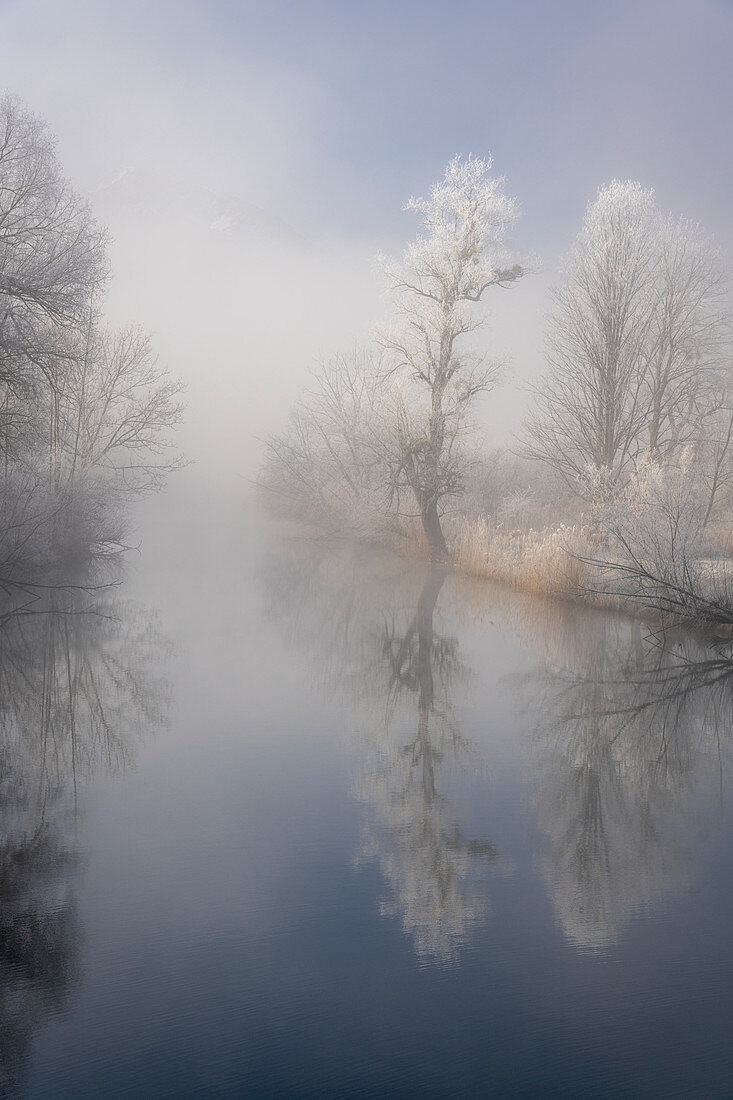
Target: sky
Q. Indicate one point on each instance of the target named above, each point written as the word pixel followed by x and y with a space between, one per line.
pixel 329 115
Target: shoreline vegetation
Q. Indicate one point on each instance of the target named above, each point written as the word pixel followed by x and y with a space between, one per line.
pixel 547 565
pixel 565 563
pixel 618 490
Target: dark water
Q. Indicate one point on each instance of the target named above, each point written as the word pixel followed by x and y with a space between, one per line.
pixel 283 821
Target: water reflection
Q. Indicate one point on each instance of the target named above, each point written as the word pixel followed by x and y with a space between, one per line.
pixel 633 733
pixel 78 691
pixel 376 640
pixel 429 864
pixel 628 760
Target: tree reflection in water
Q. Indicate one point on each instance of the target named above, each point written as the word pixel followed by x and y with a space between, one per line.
pixel 631 747
pixel 379 646
pixel 429 865
pixel 633 736
pixel 76 694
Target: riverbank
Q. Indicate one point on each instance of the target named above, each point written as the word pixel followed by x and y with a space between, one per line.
pixel 566 563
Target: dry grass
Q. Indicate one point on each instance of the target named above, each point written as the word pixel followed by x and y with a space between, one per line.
pixel 566 562
pixel 537 561
pixel 561 562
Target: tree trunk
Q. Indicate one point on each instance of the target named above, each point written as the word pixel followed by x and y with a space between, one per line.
pixel 437 548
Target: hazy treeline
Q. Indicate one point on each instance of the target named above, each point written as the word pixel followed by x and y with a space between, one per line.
pixel 86 411
pixel 624 459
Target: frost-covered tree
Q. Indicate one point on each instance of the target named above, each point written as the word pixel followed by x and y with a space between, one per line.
pixel 653 546
pixel 686 377
pixel 588 409
pixel 389 423
pixel 436 289
pixel 636 346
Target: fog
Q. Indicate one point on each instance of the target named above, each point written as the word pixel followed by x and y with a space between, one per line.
pixel 316 124
pixel 366 563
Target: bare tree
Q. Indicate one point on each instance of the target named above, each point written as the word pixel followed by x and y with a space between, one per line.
pixel 119 411
pixel 329 464
pixel 84 411
pixel 52 253
pixel 436 289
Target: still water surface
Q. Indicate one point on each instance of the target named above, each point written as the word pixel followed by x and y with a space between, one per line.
pixel 286 820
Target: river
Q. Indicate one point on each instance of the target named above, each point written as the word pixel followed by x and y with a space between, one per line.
pixel 285 819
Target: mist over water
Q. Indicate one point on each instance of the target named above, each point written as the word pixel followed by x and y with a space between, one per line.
pixel 366 718
pixel 312 821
